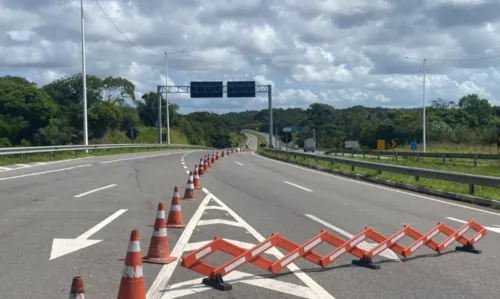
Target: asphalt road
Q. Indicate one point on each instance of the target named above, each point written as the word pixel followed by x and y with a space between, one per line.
pixel 245 198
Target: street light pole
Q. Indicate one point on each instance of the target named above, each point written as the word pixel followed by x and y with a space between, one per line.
pixel 84 80
pixel 424 135
pixel 166 95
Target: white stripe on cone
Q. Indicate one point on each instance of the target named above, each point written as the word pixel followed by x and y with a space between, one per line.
pixel 134 246
pixel 190 186
pixel 175 208
pixel 161 232
pixel 176 194
pixel 128 271
pixel 160 215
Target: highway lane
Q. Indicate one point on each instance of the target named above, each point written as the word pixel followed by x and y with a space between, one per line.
pixel 38 204
pixel 274 197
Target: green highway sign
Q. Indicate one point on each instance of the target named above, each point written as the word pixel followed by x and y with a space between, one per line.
pixel 298 129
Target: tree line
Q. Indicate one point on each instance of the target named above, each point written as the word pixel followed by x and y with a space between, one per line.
pixel 52 115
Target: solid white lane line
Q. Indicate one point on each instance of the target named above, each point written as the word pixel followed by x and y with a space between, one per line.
pixel 298 186
pixel 95 190
pixel 160 283
pixel 5 168
pixel 238 163
pixel 43 172
pixel 493 229
pixel 363 245
pixel 135 158
pixel 381 187
pixel 100 225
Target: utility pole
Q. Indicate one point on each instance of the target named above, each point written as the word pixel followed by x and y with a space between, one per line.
pixel 84 80
pixel 424 135
pixel 166 94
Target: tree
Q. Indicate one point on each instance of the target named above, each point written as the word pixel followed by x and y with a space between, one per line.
pixel 479 108
pixel 117 90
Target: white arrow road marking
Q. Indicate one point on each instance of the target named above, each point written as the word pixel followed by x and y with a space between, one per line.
pixel 238 163
pixel 95 190
pixel 161 289
pixel 62 247
pixel 493 229
pixel 363 245
pixel 298 186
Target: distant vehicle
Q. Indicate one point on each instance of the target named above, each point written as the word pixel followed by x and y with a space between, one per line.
pixel 310 145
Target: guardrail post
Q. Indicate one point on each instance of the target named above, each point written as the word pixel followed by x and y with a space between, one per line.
pixel 378 155
pixel 417 178
pixel 475 160
pixel 471 189
pixel 28 157
pixel 352 168
pixel 444 159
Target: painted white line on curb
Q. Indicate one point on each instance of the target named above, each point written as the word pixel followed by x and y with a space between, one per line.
pixel 298 186
pixel 44 172
pixel 380 187
pixel 95 190
pixel 24 165
pixel 238 163
pixel 363 245
pixel 5 168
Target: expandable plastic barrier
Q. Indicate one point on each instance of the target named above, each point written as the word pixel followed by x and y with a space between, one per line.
pixel 193 261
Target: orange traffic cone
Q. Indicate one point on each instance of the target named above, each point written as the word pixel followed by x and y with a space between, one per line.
pixel 205 165
pixel 200 168
pixel 208 160
pixel 132 283
pixel 223 155
pixel 77 288
pixel 158 252
pixel 175 215
pixel 189 193
pixel 196 179
pixel 217 155
pixel 212 161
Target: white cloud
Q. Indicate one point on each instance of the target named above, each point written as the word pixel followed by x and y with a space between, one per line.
pixel 338 52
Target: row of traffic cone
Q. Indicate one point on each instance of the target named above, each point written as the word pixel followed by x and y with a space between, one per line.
pixel 132 281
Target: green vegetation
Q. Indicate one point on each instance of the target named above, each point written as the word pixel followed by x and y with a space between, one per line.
pixel 471 125
pixel 261 140
pixel 53 115
pixel 480 191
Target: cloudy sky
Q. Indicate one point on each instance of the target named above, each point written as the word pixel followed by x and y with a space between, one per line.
pixel 340 52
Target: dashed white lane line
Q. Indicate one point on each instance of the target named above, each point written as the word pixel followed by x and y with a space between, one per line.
pixel 95 190
pixel 238 163
pixel 44 172
pixel 184 166
pixel 297 186
pixel 380 187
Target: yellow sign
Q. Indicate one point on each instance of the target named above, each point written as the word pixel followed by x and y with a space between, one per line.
pixel 340 143
pixel 393 143
pixel 318 145
pixel 380 144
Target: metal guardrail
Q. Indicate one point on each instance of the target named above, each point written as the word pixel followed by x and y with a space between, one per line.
pixel 469 179
pixel 443 156
pixel 4 151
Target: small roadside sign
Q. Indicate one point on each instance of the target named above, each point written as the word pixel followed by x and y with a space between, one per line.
pixel 352 144
pixel 298 129
pixel 340 143
pixel 413 146
pixel 287 129
pixel 380 144
pixel 393 143
pixel 132 133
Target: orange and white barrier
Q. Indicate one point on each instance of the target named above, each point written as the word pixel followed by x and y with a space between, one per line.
pixel 201 172
pixel 196 178
pixel 205 165
pixel 253 255
pixel 132 282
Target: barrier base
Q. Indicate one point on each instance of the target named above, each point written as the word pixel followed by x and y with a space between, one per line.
pixel 217 283
pixel 366 262
pixel 468 248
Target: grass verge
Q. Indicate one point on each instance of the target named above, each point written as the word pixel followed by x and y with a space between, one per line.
pixel 45 157
pixel 484 167
pixel 431 184
pixel 261 139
